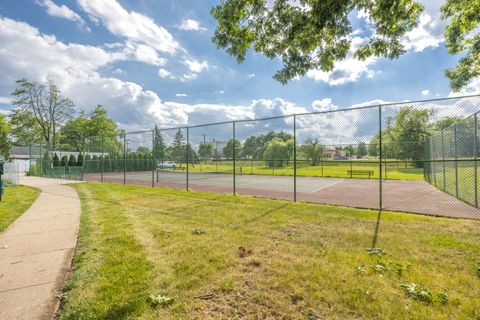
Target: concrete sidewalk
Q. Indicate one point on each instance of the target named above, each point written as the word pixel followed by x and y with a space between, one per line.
pixel 36 251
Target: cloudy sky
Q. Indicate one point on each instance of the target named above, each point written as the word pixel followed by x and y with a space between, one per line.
pixel 152 61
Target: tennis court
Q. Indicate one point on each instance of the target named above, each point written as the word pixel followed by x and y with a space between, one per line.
pixel 398 195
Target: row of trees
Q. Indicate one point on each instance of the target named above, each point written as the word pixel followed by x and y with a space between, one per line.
pixel 42 115
pixel 133 161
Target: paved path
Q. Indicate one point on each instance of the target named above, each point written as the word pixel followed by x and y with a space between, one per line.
pixel 36 252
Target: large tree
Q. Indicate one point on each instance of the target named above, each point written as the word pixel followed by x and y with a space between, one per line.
pixel 5 142
pixel 404 137
pixel 462 36
pixel 159 146
pixel 205 150
pixel 228 149
pixel 278 153
pixel 362 149
pixel 311 34
pixel 312 150
pixel 90 131
pixel 25 128
pixel 44 103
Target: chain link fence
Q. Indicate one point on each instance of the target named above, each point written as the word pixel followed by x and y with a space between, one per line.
pixel 416 157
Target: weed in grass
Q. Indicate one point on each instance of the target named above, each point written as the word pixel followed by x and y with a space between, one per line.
pixel 417 292
pixel 379 252
pixel 443 297
pixel 227 285
pixel 380 267
pixel 197 231
pixel 159 300
pixel 360 269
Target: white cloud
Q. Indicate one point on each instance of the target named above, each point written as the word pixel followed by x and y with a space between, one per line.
pixel 196 66
pixel 251 75
pixel 181 95
pixel 62 12
pixel 136 27
pixel 323 105
pixel 5 100
pixel 428 33
pixel 144 53
pixel 425 92
pixel 347 70
pixel 164 73
pixel 119 72
pixel 74 67
pixel 190 25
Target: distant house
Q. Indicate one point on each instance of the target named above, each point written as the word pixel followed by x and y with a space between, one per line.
pixel 218 146
pixel 331 153
pixel 20 157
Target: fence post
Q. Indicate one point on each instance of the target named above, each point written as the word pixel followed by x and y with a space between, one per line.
pixel 433 162
pixel 234 156
pixel 456 162
pixel 103 156
pixel 475 168
pixel 381 157
pixel 385 162
pixel 188 152
pixel 294 158
pixel 124 158
pixel 351 169
pixel 154 162
pixel 443 160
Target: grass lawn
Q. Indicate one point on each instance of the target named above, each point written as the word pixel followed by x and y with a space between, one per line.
pixel 230 257
pixel 15 202
pixel 334 169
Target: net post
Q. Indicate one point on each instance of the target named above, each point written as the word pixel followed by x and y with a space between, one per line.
pixel 456 159
pixel 101 174
pixel 234 160
pixel 475 166
pixel 187 153
pixel 381 157
pixel 294 158
pixel 154 162
pixel 443 161
pixel 124 158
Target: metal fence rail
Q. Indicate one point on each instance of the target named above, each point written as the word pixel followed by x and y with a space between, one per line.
pixel 382 157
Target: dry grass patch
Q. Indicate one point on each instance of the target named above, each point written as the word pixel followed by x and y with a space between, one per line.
pixel 161 254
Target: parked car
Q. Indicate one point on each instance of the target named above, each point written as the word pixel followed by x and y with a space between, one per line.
pixel 166 164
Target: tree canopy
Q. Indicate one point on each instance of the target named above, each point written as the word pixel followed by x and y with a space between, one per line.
pixel 311 34
pixel 462 36
pixel 44 103
pixel 94 126
pixel 5 142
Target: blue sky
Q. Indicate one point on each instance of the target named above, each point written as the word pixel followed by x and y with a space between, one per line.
pixel 152 61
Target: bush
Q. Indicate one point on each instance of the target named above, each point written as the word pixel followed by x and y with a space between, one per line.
pixel 72 162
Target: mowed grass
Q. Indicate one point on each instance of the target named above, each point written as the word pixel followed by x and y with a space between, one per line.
pixel 15 202
pixel 232 257
pixel 334 169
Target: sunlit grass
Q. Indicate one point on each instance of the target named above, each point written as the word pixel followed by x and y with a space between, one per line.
pixel 15 201
pixel 333 169
pixel 256 259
